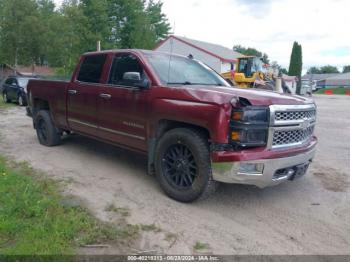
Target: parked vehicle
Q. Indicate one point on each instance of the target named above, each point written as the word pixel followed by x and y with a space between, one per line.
pixel 15 89
pixel 195 128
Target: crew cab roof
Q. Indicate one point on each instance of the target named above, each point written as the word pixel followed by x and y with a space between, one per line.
pixel 140 51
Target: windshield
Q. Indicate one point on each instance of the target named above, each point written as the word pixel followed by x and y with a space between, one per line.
pixel 177 70
pixel 250 65
pixel 23 82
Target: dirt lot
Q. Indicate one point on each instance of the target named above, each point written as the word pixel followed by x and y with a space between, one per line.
pixel 307 216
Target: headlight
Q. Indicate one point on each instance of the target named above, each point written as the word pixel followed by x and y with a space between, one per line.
pixel 250 114
pixel 249 126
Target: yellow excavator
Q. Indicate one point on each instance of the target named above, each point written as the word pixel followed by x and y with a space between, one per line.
pixel 250 73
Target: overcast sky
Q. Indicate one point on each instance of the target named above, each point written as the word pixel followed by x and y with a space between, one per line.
pixel 320 26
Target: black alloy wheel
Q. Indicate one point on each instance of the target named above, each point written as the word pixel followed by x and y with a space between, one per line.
pixel 183 166
pixel 179 166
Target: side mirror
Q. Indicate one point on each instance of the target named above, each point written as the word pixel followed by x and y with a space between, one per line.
pixel 134 79
pixel 132 76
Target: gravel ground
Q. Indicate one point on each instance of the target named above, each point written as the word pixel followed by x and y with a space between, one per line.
pixel 306 216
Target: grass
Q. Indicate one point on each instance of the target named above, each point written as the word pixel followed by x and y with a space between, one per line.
pixel 151 227
pixel 33 219
pixel 200 246
pixel 4 105
pixel 124 212
pixel 336 91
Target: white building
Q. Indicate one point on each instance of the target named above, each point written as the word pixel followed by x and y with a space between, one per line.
pixel 220 58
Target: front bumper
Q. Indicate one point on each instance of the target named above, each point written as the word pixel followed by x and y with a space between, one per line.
pixel 269 172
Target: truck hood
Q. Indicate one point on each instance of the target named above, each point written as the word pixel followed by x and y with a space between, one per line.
pixel 257 97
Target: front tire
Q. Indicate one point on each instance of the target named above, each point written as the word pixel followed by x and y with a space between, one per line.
pixel 46 131
pixel 183 166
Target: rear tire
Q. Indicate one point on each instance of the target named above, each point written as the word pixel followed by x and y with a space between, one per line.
pixel 47 133
pixel 183 166
pixel 5 98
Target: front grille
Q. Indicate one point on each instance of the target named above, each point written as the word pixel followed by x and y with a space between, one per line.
pixel 291 125
pixel 294 115
pixel 289 137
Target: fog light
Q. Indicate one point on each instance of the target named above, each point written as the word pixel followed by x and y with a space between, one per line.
pixel 251 168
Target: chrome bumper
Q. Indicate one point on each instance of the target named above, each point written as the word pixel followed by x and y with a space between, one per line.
pixel 264 173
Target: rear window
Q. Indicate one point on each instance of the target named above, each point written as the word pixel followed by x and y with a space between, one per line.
pixel 91 68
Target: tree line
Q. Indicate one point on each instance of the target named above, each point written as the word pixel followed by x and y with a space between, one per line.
pixel 327 69
pixel 38 32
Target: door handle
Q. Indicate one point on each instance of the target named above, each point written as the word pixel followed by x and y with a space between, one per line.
pixel 72 92
pixel 105 96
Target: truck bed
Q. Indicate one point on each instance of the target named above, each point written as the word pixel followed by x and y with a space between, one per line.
pixel 53 91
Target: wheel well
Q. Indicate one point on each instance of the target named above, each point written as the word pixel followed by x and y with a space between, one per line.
pixel 164 126
pixel 39 104
pixel 167 125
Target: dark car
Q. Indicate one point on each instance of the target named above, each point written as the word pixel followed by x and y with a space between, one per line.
pixel 15 89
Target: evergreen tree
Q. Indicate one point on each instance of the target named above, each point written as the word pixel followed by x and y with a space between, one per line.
pixel 296 64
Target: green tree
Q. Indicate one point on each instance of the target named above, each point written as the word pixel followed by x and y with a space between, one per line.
pixel 46 9
pixel 98 24
pixel 296 64
pixel 131 25
pixel 346 69
pixel 19 32
pixel 34 31
pixel 158 20
pixel 327 69
pixel 284 71
pixel 314 70
pixel 67 29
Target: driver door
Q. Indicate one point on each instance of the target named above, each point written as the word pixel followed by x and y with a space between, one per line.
pixel 123 104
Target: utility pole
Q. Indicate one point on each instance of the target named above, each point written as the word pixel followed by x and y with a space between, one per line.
pixel 98 46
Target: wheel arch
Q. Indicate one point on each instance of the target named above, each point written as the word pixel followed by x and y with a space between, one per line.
pixel 162 127
pixel 38 104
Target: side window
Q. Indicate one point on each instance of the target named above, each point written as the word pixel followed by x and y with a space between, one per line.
pixel 91 68
pixel 9 81
pixel 126 63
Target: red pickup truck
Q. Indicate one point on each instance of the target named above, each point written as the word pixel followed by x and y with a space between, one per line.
pixel 195 128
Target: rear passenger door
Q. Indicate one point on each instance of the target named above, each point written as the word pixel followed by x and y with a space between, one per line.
pixel 83 95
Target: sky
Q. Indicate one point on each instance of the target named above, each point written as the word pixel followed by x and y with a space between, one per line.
pixel 271 26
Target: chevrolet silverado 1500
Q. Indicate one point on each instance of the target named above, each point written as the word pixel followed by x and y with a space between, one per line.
pixel 196 129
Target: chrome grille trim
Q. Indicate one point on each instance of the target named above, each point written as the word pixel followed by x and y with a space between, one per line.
pixel 294 115
pixel 295 137
pixel 291 125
